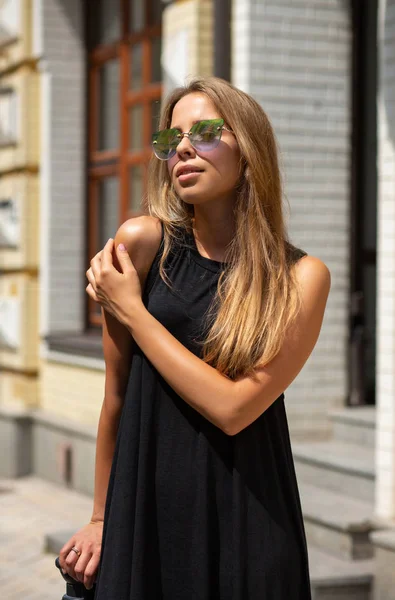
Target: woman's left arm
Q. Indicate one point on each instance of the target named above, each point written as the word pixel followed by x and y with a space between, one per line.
pixel 230 405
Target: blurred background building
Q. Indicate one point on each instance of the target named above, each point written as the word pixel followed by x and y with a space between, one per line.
pixel 81 84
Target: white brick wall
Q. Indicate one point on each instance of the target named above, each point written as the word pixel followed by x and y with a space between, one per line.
pixel 294 57
pixel 385 375
pixel 63 163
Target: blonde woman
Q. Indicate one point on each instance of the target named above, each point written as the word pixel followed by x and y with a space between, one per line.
pixel 209 314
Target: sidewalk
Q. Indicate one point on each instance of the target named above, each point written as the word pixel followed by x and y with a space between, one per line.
pixel 30 508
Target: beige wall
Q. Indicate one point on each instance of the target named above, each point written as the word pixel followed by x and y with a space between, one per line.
pixel 19 164
pixel 75 393
pixel 187 41
pixel 18 389
pixel 21 49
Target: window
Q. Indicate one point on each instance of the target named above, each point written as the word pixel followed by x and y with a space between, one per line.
pixel 9 223
pixel 124 41
pixel 8 117
pixel 9 20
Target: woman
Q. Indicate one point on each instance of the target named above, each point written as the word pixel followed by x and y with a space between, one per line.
pixel 209 316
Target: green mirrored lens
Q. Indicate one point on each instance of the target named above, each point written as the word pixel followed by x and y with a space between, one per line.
pixel 165 142
pixel 206 134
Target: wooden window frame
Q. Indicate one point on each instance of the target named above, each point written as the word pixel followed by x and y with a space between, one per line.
pixel 118 161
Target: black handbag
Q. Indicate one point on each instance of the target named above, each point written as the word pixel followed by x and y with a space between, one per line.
pixel 74 589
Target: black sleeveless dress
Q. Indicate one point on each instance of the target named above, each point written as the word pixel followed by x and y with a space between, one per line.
pixel 191 513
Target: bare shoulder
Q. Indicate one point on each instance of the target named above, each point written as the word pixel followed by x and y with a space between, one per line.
pixel 141 236
pixel 143 231
pixel 314 278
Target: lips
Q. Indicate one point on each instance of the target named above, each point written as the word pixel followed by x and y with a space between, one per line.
pixel 186 170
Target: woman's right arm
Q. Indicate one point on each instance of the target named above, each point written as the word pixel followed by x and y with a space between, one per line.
pixel 141 237
pixel 117 346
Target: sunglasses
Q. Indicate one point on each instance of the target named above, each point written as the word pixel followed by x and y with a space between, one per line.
pixel 203 135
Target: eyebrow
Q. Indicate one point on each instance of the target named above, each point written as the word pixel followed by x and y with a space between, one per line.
pixel 193 123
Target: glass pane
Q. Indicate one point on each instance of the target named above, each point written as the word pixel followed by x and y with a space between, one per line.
pixel 136 15
pixel 136 189
pixel 136 70
pixel 109 106
pixel 108 209
pixel 156 68
pixel 108 25
pixel 155 114
pixel 136 127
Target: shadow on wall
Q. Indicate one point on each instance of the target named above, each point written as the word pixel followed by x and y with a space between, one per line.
pixel 388 68
pixel 71 10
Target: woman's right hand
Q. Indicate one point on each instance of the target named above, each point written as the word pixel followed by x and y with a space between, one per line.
pixel 83 567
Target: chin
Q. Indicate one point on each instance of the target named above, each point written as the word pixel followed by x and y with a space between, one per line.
pixel 192 196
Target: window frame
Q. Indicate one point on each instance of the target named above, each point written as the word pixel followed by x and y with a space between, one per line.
pixel 118 161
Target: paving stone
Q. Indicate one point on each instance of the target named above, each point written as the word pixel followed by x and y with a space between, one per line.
pixel 30 508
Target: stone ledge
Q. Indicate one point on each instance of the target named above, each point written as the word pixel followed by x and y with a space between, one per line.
pixel 63 425
pixel 337 511
pixel 88 344
pixel 328 570
pixel 362 415
pixel 57 449
pixel 30 416
pixel 337 455
pixel 15 413
pixel 15 441
pixel 384 539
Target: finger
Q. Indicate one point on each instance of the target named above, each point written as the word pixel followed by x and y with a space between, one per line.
pixel 91 278
pixel 71 561
pixel 124 258
pixel 89 289
pixel 107 263
pixel 64 552
pixel 96 264
pixel 91 570
pixel 81 565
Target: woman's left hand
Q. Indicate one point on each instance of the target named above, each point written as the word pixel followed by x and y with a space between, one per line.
pixel 119 293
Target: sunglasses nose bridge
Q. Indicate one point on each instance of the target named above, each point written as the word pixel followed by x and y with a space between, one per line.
pixel 180 146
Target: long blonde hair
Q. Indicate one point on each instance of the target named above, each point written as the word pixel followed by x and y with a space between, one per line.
pixel 257 297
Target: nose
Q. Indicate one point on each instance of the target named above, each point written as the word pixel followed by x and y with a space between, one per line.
pixel 185 147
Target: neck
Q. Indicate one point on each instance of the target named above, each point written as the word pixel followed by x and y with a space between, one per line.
pixel 213 229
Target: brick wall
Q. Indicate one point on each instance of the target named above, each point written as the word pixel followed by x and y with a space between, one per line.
pixel 385 445
pixel 63 164
pixel 294 57
pixel 71 392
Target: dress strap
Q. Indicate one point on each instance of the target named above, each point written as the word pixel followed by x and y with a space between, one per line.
pixel 295 253
pixel 153 272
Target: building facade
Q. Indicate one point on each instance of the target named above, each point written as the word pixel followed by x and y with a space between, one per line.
pixel 80 91
pixel 19 222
